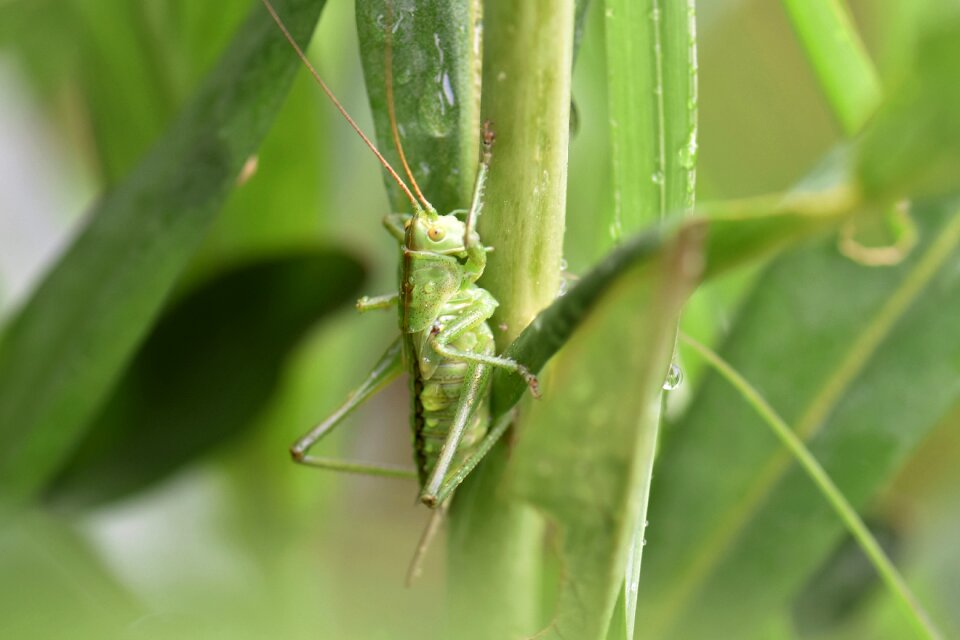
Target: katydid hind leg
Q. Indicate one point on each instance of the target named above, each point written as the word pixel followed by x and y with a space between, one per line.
pixel 475 383
pixel 458 475
pixel 426 539
pixel 387 369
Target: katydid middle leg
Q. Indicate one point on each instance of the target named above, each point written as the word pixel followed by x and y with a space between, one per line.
pixel 479 311
pixel 385 371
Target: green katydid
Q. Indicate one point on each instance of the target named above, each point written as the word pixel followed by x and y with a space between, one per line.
pixel 446 345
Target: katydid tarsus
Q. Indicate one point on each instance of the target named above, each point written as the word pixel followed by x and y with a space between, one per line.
pixel 446 345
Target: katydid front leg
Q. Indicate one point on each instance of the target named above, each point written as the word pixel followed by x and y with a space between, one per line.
pixel 375 303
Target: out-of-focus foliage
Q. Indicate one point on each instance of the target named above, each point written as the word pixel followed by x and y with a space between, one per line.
pixel 218 534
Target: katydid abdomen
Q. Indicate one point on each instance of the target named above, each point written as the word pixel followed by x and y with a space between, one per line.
pixel 437 384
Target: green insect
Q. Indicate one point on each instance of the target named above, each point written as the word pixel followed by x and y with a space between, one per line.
pixel 446 345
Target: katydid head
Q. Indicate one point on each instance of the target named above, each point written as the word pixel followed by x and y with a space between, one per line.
pixel 440 234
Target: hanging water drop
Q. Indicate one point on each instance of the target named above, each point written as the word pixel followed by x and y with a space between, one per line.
pixel 674 377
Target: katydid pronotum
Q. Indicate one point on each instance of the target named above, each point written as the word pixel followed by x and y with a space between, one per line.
pixel 446 345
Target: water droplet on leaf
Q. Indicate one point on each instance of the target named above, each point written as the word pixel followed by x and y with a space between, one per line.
pixel 674 378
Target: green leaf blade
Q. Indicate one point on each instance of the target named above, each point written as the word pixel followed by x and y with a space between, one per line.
pixel 73 337
pixel 205 372
pixel 652 89
pixel 913 146
pixel 732 547
pixel 435 50
pixel 839 59
pixel 585 456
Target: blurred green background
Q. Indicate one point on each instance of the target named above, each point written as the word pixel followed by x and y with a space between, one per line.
pixel 224 537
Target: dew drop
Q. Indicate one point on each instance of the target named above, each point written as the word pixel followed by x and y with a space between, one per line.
pixel 448 90
pixel 674 378
pixel 657 177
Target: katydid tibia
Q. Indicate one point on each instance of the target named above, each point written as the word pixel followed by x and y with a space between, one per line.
pixel 445 345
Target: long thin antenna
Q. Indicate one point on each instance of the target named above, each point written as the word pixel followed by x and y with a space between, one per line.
pixel 336 103
pixel 391 108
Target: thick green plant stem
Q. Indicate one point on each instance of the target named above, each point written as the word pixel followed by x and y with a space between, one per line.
pixel 528 48
pixel 845 511
pixel 843 68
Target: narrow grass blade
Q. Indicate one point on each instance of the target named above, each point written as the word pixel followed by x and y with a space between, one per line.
pixel 652 90
pixel 845 512
pixel 839 59
pixel 60 356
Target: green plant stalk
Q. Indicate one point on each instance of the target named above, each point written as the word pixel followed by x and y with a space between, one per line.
pixel 495 545
pixel 839 59
pixel 845 511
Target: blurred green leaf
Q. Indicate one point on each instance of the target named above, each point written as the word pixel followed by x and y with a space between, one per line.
pixel 862 362
pixel 839 59
pixel 151 52
pixel 913 146
pixel 841 584
pixel 435 49
pixel 585 454
pixel 206 371
pixel 55 586
pixel 62 353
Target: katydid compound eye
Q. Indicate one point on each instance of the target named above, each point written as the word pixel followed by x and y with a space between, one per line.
pixel 436 234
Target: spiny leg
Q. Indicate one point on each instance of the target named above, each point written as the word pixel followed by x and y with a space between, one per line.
pixel 460 473
pixel 479 311
pixel 474 248
pixel 426 538
pixel 471 394
pixel 386 370
pixel 396 224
